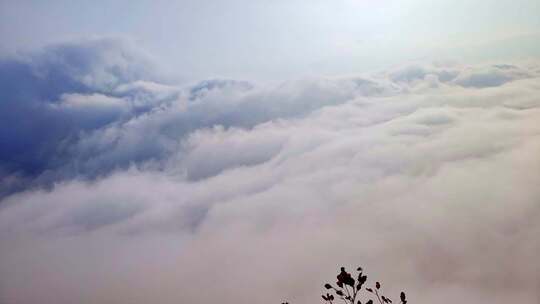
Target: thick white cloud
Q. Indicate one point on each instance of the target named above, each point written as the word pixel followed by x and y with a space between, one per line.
pixel 235 192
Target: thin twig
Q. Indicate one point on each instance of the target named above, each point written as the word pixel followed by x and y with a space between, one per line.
pixel 377 293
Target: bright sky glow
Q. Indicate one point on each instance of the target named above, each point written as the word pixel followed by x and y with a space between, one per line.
pixel 284 39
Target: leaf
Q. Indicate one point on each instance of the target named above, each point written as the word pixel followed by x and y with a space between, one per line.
pixel 402 298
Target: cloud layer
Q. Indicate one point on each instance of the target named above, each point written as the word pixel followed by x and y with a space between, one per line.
pixel 120 188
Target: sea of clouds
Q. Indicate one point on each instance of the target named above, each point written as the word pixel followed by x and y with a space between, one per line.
pixel 119 187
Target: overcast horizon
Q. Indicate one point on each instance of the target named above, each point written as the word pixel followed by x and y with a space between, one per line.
pixel 242 151
pixel 282 40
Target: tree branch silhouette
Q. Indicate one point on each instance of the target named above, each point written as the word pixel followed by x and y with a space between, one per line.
pixel 348 290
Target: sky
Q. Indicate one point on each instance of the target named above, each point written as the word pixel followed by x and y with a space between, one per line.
pixel 243 151
pixel 277 40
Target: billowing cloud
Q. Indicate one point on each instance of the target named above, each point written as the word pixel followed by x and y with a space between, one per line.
pixel 49 97
pixel 234 191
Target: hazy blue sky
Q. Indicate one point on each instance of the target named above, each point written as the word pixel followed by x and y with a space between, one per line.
pixel 284 38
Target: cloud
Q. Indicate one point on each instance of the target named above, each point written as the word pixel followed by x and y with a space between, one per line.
pixel 94 107
pixel 51 96
pixel 234 191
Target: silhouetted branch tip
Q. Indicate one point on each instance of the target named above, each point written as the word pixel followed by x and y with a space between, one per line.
pixel 348 290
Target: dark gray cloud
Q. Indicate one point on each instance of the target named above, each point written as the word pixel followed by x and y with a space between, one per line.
pixel 49 97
